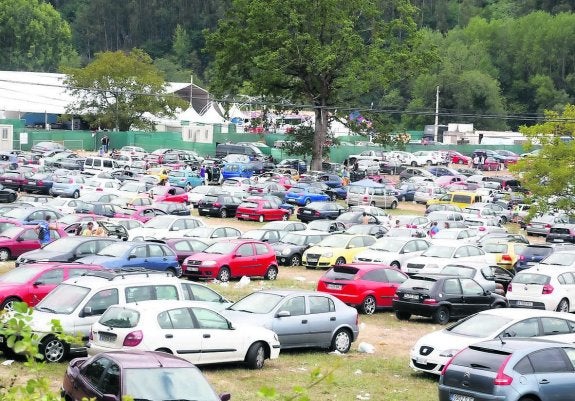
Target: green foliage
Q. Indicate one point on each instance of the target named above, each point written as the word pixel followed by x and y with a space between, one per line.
pixel 121 90
pixel 34 36
pixel 298 392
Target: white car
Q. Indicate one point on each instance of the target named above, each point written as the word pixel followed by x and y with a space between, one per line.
pixel 392 251
pixel 426 158
pixel 444 253
pixel 432 351
pixel 101 184
pixel 237 184
pixel 162 227
pixel 195 333
pixel 65 205
pixel 426 192
pixel 197 193
pixel 133 151
pixel 218 233
pixel 544 287
pixel 456 234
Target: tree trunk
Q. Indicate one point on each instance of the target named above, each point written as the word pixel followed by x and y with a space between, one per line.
pixel 319 138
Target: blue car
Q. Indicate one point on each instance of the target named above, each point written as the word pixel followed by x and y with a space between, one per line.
pixel 184 179
pixel 303 196
pixel 234 170
pixel 138 254
pixel 67 187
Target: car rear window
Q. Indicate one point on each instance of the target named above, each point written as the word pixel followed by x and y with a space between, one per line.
pixel 210 199
pixel 341 273
pixel 536 251
pixel 558 230
pixel 249 205
pixel 480 358
pixel 120 318
pixel 531 278
pixel 419 284
pixel 461 199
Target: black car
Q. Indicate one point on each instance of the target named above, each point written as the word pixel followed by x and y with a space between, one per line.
pixel 334 192
pixel 561 233
pixel 265 235
pixel 102 209
pixel 375 230
pixel 293 244
pixel 319 210
pixel 330 226
pixel 40 183
pixel 223 205
pixel 173 208
pixel 66 249
pixel 443 298
pixel 7 195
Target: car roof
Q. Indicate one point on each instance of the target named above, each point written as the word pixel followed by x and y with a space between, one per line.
pixel 522 313
pixel 146 359
pixel 511 345
pixel 158 305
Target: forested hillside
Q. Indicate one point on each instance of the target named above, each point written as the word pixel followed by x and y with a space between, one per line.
pixel 500 61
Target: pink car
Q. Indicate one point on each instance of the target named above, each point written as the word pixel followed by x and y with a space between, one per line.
pixel 261 210
pixel 448 180
pixel 14 241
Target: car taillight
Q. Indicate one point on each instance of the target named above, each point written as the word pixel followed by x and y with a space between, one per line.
pixel 509 287
pixel 506 257
pixel 39 182
pixel 70 181
pixel 133 339
pixel 547 289
pixel 521 257
pixel 316 213
pixel 502 379
pixel 365 198
pixel 99 189
pixel 217 204
pixel 547 226
pixel 430 301
pixel 395 296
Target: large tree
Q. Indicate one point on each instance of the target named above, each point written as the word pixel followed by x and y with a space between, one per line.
pixel 321 54
pixel 34 36
pixel 120 90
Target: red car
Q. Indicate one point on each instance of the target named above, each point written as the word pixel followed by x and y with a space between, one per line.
pixel 168 193
pixel 236 258
pixel 14 179
pixel 14 241
pixel 261 210
pixel 490 164
pixel 367 286
pixel 30 283
pixel 458 158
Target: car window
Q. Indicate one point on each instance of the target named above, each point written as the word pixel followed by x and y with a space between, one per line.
pixel 295 306
pixel 551 360
pixel 182 246
pixel 524 366
pixel 139 252
pixel 356 242
pixel 552 325
pixel 179 224
pixel 55 276
pixel 77 272
pixel 395 276
pixel 470 287
pixel 245 250
pixel 195 292
pixel 176 319
pixel 87 248
pixel 566 278
pixel 461 252
pixel 155 251
pixel 261 249
pixel 524 328
pixel 28 235
pixel 111 380
pixel 376 275
pixel 210 320
pixel 191 223
pixel 94 371
pixel 101 301
pixel 409 247
pixel 452 286
pixel 319 304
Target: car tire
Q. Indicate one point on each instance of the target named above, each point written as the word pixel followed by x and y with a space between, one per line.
pixel 368 305
pixel 172 271
pixel 12 198
pixel 295 260
pixel 8 303
pixel 307 201
pixel 4 254
pixel 256 356
pixel 402 315
pixel 413 164
pixel 563 305
pixel 372 204
pixel 261 218
pixel 393 205
pixel 202 213
pixel 52 349
pixel 224 275
pixel 341 341
pixel 441 315
pixel 340 261
pixel 188 187
pixel 395 264
pixel 76 194
pixel 271 273
pixel 332 197
pixel 503 220
pixel 285 217
pixel 223 213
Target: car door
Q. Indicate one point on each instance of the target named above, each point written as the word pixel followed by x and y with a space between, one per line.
pixel 243 262
pixel 137 257
pixel 474 297
pixel 219 342
pixel 156 258
pixel 292 328
pixel 26 241
pixel 322 318
pixel 42 285
pixel 451 293
pixel 377 283
pixel 553 370
pixel 179 332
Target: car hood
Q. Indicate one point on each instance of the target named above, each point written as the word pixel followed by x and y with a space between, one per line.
pixel 323 249
pixel 445 340
pixel 41 254
pixel 376 255
pixel 246 318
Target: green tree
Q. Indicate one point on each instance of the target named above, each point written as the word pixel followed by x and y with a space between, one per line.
pixel 34 36
pixel 120 90
pixel 322 54
pixel 549 176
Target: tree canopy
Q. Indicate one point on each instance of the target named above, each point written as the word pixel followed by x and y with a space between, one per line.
pixel 121 90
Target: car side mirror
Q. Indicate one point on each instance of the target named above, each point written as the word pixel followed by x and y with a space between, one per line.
pixel 37 283
pixel 510 333
pixel 350 246
pixel 283 313
pixel 19 239
pixel 87 311
pixel 175 229
pixel 131 257
pixel 486 292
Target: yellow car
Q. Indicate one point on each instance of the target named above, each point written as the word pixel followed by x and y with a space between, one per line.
pixel 506 253
pixel 161 173
pixel 458 198
pixel 335 250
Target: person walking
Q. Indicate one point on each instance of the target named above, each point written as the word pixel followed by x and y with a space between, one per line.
pixel 43 230
pixel 203 174
pixel 434 229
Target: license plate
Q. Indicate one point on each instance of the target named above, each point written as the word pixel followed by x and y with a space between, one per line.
pixel 32 182
pixel 333 287
pixel 245 216
pixel 410 296
pixel 459 397
pixel 205 210
pixel 106 337
pixel 192 269
pixel 307 211
pixel 312 260
pixel 524 303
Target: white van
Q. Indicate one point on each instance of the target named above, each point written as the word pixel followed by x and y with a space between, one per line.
pixel 358 195
pixel 79 302
pixel 95 165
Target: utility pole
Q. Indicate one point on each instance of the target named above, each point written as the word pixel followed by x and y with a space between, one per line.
pixel 436 126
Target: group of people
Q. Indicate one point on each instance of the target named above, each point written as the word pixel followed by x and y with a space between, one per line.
pixel 44 228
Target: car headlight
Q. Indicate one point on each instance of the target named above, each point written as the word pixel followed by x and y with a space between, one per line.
pixel 286 251
pixel 328 254
pixel 208 263
pixel 432 266
pixel 448 353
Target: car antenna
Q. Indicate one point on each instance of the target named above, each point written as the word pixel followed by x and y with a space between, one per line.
pixel 500 337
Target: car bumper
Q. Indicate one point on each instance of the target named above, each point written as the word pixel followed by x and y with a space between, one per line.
pixel 59 192
pixel 449 394
pixel 432 363
pixel 519 303
pixel 198 272
pixel 415 308
pixel 321 262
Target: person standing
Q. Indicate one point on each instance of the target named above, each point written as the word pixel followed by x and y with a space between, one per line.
pixel 434 229
pixel 475 161
pixel 43 230
pixel 203 174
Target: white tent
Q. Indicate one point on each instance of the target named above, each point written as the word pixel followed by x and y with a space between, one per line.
pixel 191 115
pixel 212 115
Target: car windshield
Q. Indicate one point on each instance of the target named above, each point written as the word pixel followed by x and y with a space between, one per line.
pixel 253 234
pixel 480 325
pixel 294 239
pixel 297 190
pixel 120 317
pixel 61 245
pixel 18 276
pixel 115 250
pixel 531 278
pixel 335 241
pixel 556 259
pixel 161 383
pixel 18 214
pixel 63 299
pixel 68 219
pixel 130 187
pixel 418 284
pixel 249 205
pixel 220 248
pixel 5 225
pixel 321 225
pixel 177 174
pixel 462 271
pixel 159 223
pixel 348 217
pixel 257 302
pixel 439 251
pixel 388 245
pixel 495 248
pixel 12 232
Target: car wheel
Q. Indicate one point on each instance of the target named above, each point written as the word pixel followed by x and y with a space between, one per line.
pixel 563 305
pixel 172 271
pixel 203 214
pixel 285 217
pixel 12 198
pixel 223 213
pixel 4 254
pixel 341 341
pixel 188 187
pixel 393 204
pixel 76 194
pixel 52 349
pixel 368 305
pixel 224 275
pixel 372 204
pixel 340 261
pixel 395 264
pixel 295 260
pixel 413 164
pixel 272 273
pixel 441 315
pixel 8 303
pixel 256 356
pixel 261 219
pixel 402 315
pixel 307 201
pixel 332 197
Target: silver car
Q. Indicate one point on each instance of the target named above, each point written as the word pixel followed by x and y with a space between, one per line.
pixel 299 318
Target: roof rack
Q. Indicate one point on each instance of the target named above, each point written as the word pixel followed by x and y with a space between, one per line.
pixel 112 274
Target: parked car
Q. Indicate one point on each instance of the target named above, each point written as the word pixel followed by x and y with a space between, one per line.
pixel 260 210
pixel 167 226
pixel 184 247
pixel 223 205
pixel 349 219
pixel 186 179
pixel 15 241
pixel 213 234
pixel 375 230
pixel 443 298
pixel 532 254
pixel 336 249
pixel 366 286
pixel 541 225
pixel 392 251
pixel 291 246
pixel 441 254
pixel 329 322
pixel 511 370
pixel 561 233
pixel 70 186
pixel 137 374
pixel 330 226
pixel 319 210
pixel 303 196
pixel 235 258
pixel 270 236
pixel 169 193
pixel 171 325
